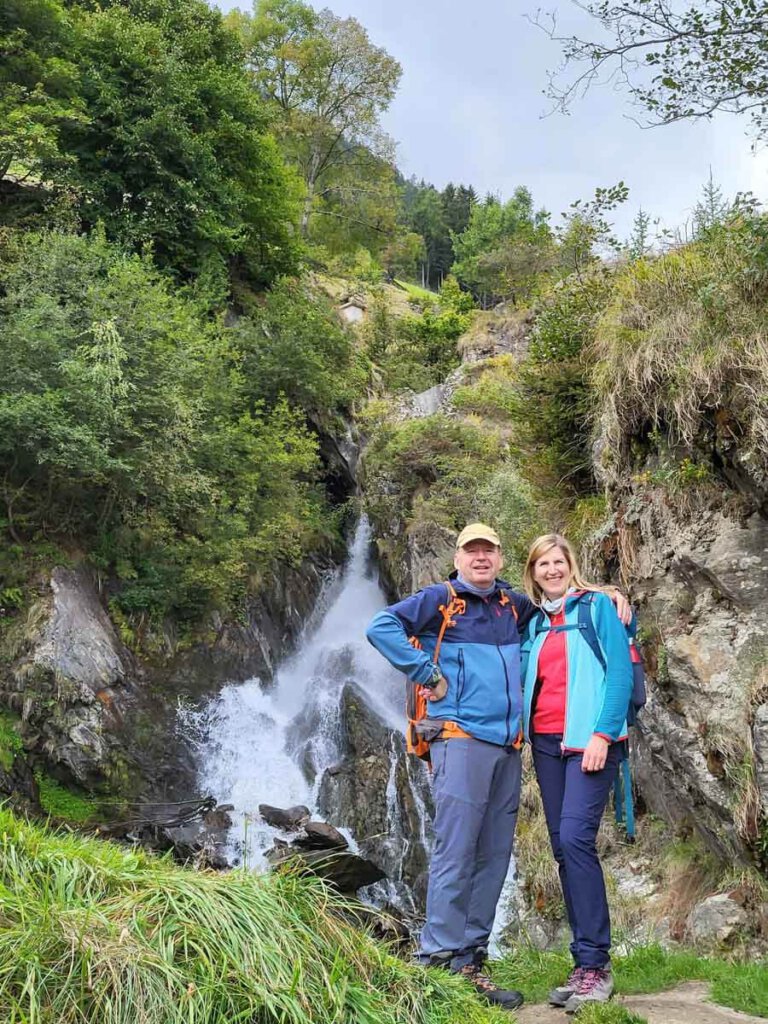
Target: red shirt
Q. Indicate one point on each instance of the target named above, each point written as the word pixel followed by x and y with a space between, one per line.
pixel 552 680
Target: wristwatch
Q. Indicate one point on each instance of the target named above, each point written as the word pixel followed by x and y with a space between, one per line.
pixel 434 679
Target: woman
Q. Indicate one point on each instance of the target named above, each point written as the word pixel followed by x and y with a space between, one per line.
pixel 577 682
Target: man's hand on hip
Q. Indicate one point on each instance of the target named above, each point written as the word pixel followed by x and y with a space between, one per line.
pixel 436 692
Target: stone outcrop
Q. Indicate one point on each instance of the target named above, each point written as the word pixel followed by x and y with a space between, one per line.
pixel 381 794
pixel 73 681
pixel 699 583
pixel 717 921
pixel 95 714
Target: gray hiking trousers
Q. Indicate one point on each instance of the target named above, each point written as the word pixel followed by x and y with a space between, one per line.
pixel 476 788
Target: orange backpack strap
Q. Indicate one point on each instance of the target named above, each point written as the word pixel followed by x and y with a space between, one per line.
pixel 506 599
pixel 454 606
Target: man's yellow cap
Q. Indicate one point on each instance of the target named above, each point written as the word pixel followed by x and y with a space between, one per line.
pixel 477 531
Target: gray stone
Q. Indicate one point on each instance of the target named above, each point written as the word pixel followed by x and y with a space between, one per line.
pixel 290 819
pixel 698 584
pixel 346 871
pixel 760 742
pixel 382 795
pixel 319 835
pixel 717 920
pixel 74 680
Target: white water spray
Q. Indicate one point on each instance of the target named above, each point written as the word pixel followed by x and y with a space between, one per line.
pixel 245 732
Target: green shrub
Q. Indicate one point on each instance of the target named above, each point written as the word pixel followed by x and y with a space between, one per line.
pixel 420 351
pixel 429 468
pixel 159 439
pixel 495 393
pixel 508 501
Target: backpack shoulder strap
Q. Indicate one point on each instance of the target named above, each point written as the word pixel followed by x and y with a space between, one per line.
pixel 587 626
pixel 454 605
pixel 507 599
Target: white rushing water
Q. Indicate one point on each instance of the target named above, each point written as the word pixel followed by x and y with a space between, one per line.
pixel 245 731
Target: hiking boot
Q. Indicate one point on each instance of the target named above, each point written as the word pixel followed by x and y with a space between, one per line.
pixel 560 996
pixel 506 998
pixel 594 986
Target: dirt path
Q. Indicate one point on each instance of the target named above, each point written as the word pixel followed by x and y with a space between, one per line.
pixel 686 1004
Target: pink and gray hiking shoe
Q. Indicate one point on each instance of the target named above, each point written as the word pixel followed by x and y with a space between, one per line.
pixel 594 986
pixel 560 996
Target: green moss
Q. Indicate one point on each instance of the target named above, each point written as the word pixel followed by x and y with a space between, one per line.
pixel 10 741
pixel 63 803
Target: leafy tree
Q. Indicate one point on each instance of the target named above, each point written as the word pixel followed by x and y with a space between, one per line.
pixel 38 85
pixel 404 254
pixel 504 249
pixel 129 420
pixel 293 346
pixel 677 61
pixel 586 234
pixel 330 85
pixel 146 113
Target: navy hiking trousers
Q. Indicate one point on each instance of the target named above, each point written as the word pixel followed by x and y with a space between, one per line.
pixel 574 802
pixel 476 788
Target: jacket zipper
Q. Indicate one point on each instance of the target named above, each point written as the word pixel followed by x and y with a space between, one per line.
pixel 462 679
pixel 509 698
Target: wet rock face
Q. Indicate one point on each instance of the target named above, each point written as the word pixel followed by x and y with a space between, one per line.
pixel 377 791
pixel 422 555
pixel 276 617
pixel 701 746
pixel 74 681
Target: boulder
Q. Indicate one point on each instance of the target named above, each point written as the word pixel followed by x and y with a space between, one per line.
pixel 346 871
pixel 716 921
pixel 73 682
pixel 318 835
pixel 289 819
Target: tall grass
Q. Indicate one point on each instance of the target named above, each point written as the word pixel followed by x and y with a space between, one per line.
pixel 685 338
pixel 93 934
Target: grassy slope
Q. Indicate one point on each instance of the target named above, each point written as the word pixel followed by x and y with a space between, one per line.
pixel 94 933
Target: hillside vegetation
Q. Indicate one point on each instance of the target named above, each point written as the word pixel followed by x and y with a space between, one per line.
pixel 95 933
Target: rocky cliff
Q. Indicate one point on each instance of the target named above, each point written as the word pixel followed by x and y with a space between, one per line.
pixel 695 558
pixel 96 714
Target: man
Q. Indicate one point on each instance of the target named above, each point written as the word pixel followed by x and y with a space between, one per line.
pixel 475 727
pixel 475 709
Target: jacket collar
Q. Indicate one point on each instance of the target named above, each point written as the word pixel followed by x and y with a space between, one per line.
pixel 461 589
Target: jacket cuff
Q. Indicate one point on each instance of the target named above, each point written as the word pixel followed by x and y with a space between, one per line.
pixel 604 736
pixel 424 673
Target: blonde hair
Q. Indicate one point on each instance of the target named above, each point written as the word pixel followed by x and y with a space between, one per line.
pixel 537 550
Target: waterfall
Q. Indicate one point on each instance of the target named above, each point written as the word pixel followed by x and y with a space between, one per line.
pixel 273 745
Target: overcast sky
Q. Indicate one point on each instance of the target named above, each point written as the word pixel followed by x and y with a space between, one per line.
pixel 470 108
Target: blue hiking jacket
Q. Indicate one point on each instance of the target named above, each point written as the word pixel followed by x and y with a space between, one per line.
pixel 597 700
pixel 479 656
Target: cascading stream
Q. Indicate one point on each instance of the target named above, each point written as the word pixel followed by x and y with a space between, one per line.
pixel 245 733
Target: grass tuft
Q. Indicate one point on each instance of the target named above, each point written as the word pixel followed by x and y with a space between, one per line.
pixel 94 934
